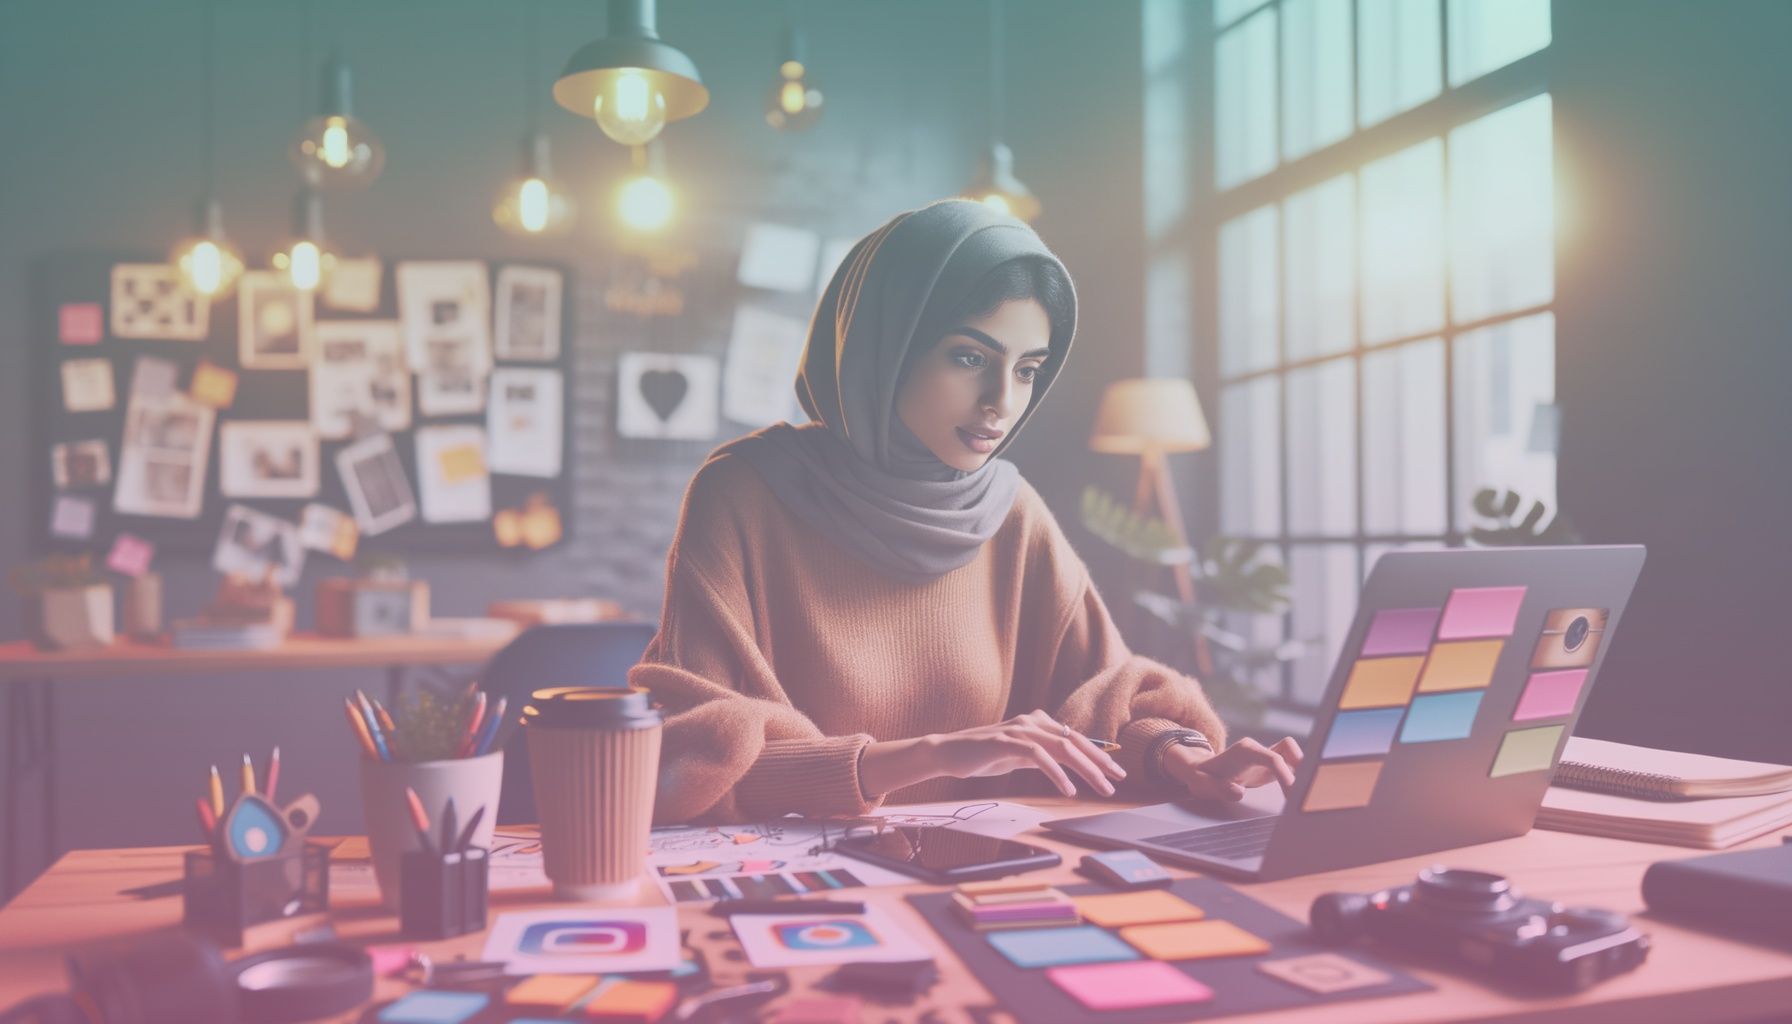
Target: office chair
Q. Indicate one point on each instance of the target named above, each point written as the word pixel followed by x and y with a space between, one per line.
pixel 569 654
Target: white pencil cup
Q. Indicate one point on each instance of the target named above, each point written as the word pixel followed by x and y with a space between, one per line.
pixel 473 782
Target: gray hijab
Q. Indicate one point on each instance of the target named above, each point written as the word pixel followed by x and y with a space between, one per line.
pixel 856 473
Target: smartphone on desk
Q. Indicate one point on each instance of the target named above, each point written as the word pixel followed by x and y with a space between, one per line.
pixel 947 856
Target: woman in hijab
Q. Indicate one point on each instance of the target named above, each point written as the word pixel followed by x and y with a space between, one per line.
pixel 873 605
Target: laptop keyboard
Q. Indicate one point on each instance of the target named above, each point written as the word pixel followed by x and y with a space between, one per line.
pixel 1235 840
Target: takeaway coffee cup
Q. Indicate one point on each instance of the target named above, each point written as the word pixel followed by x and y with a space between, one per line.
pixel 594 755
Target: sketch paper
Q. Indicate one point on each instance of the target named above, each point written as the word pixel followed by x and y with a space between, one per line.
pixel 759 372
pixel 525 420
pixel 267 459
pixel 87 385
pixel 149 300
pixel 360 381
pixel 378 490
pixel 452 476
pixel 257 546
pixel 528 314
pixel 274 323
pixel 353 286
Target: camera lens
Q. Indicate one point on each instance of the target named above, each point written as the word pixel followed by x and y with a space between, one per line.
pixel 1576 633
pixel 1337 917
pixel 1456 891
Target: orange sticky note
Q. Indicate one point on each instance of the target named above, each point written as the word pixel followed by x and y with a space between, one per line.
pixel 461 463
pixel 551 991
pixel 1339 787
pixel 1193 940
pixel 1381 682
pixel 213 385
pixel 1460 665
pixel 1147 906
pixel 640 1002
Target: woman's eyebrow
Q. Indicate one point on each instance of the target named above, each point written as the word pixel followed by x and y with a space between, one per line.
pixel 986 340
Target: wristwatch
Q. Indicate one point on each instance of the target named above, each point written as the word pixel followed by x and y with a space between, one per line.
pixel 1154 754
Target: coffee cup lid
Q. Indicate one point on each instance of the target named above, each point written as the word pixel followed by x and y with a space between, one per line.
pixel 591 707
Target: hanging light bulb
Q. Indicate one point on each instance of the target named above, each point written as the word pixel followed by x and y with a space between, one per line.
pixel 645 201
pixel 306 261
pixel 335 149
pixel 630 81
pixel 530 205
pixel 995 185
pixel 208 263
pixel 997 188
pixel 793 104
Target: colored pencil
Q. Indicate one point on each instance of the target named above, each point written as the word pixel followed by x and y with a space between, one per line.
pixel 474 719
pixel 450 826
pixel 359 725
pixel 208 822
pixel 489 731
pixel 217 794
pixel 390 727
pixel 373 726
pixel 419 819
pixel 273 773
pixel 248 776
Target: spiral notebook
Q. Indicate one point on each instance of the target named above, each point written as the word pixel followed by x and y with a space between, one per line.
pixel 1661 796
pixel 1606 767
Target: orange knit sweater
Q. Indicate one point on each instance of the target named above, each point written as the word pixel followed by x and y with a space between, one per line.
pixel 780 657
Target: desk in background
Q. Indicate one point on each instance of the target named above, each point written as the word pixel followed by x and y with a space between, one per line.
pixel 1689 975
pixel 30 674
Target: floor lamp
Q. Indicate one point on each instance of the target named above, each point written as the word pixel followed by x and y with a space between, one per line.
pixel 1152 417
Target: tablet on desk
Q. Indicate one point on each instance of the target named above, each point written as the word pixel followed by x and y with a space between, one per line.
pixel 947 856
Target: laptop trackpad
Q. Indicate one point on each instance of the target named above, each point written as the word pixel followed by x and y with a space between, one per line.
pixel 1264 801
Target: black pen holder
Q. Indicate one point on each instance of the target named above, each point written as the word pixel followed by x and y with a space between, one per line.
pixel 441 895
pixel 223 896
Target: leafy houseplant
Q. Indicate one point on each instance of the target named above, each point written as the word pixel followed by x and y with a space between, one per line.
pixel 68 602
pixel 1231 579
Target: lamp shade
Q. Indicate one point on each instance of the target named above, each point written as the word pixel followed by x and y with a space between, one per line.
pixel 1150 414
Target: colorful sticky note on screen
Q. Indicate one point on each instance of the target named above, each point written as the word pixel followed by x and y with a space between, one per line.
pixel 130 555
pixel 1338 787
pixel 1400 631
pixel 1441 716
pixel 1356 733
pixel 1550 694
pixel 1474 612
pixel 1527 750
pixel 1460 665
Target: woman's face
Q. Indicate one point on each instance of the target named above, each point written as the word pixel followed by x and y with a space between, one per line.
pixel 962 397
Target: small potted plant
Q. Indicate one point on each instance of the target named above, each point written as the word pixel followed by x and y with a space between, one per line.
pixel 68 602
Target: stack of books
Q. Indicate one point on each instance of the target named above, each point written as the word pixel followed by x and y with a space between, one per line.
pixel 1009 903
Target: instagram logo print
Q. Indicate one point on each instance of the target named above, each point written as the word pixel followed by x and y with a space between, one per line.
pixel 836 934
pixel 584 938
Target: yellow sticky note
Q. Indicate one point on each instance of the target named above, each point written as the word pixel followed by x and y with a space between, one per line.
pixel 461 463
pixel 213 385
pixel 1193 940
pixel 1460 665
pixel 632 1001
pixel 552 991
pixel 1527 750
pixel 1147 906
pixel 1381 682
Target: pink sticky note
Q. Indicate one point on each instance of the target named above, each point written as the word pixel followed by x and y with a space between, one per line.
pixel 1128 986
pixel 1550 694
pixel 130 555
pixel 1480 611
pixel 79 323
pixel 1400 631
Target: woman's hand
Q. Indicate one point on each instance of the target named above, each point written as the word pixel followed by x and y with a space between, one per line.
pixel 1244 765
pixel 1032 740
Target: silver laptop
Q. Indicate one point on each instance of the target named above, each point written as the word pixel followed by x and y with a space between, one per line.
pixel 1458 684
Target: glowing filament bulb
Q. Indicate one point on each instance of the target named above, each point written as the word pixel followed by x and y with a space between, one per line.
pixel 532 205
pixel 335 147
pixel 629 109
pixel 305 267
pixel 645 203
pixel 204 267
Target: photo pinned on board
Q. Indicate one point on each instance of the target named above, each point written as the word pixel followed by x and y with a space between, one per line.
pixel 87 385
pixel 78 464
pixel 528 314
pixel 525 421
pixel 257 546
pixel 360 381
pixel 445 311
pixel 167 440
pixel 267 459
pixel 378 490
pixel 453 478
pixel 274 323
pixel 150 301
pixel 330 530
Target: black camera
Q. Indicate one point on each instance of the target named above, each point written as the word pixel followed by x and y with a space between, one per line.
pixel 1478 918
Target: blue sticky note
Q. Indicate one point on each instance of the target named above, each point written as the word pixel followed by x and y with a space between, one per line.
pixel 1441 716
pixel 1050 947
pixel 1355 733
pixel 429 1007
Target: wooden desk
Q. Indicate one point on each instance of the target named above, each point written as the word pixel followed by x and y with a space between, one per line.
pixel 1689 975
pixel 33 673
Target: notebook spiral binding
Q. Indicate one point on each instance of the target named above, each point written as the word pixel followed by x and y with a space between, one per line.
pixel 1617 781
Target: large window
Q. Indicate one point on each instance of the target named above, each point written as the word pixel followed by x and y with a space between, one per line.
pixel 1382 273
